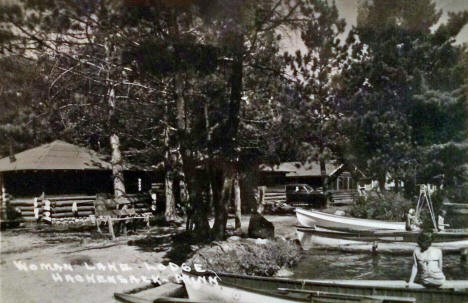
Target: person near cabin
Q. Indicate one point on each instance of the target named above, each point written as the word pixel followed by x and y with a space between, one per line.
pixel 428 262
pixel 154 202
pixel 412 221
pixel 75 209
pixel 46 214
pixel 36 211
pixel 441 221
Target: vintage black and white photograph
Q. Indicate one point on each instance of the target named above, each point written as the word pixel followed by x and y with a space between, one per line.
pixel 234 151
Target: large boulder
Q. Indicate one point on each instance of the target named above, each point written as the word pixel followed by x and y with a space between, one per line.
pixel 259 227
pixel 259 257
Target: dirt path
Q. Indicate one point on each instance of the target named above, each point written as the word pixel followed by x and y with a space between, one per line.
pixel 45 260
pixel 50 252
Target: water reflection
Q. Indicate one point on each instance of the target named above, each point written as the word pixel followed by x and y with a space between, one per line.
pixel 320 264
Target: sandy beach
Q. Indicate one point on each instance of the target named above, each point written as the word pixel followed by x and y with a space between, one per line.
pixel 39 266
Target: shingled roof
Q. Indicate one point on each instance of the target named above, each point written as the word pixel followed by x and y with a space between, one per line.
pixel 299 169
pixel 58 155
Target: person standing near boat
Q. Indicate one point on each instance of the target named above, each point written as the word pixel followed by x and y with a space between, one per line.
pixel 412 221
pixel 428 261
pixel 441 221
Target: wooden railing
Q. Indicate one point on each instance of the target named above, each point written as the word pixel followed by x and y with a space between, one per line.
pixel 343 197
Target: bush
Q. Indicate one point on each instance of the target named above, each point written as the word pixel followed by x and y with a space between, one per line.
pixel 455 194
pixel 388 206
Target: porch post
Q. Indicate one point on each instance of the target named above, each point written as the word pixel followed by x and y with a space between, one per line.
pixel 2 191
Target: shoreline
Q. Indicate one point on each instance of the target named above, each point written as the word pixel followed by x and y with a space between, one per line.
pixel 34 246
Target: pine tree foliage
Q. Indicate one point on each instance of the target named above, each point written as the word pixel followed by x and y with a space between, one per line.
pixel 403 100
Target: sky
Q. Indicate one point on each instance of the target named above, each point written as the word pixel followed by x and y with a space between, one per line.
pixel 348 10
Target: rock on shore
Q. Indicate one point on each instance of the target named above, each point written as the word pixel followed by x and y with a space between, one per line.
pixel 260 257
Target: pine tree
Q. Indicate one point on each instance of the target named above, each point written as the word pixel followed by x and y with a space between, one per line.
pixel 397 85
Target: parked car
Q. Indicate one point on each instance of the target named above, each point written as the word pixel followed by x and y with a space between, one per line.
pixel 305 195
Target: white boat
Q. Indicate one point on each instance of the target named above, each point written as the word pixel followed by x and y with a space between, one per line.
pixel 312 218
pixel 396 244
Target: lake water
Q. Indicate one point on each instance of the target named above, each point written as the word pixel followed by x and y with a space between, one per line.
pixel 321 264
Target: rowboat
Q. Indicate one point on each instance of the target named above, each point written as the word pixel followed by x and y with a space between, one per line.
pixel 370 243
pixel 398 235
pixel 311 218
pixel 251 289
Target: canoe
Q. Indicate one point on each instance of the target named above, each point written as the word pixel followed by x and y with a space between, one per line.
pixel 411 236
pixel 311 218
pixel 392 244
pixel 251 289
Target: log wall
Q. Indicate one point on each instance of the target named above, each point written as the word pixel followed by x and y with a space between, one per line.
pixel 61 206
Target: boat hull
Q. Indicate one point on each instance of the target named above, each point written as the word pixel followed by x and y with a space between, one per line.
pixel 395 235
pixel 446 294
pixel 311 218
pixel 311 238
pixel 204 291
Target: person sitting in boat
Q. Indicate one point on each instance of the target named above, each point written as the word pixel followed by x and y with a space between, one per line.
pixel 428 261
pixel 441 220
pixel 412 221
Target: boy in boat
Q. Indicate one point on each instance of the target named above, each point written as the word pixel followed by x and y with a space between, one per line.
pixel 428 261
pixel 412 221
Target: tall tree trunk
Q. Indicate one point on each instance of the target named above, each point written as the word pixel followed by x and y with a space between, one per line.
pixel 200 204
pixel 180 102
pixel 185 159
pixel 323 175
pixel 397 185
pixel 221 206
pixel 170 213
pixel 261 199
pixel 237 201
pixel 381 178
pixel 234 101
pixel 116 160
pixel 117 169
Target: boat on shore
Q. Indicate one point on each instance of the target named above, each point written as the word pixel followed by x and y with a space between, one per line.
pixel 312 218
pixel 362 242
pixel 251 289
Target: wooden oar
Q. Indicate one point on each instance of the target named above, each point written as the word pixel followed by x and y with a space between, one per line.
pixel 323 294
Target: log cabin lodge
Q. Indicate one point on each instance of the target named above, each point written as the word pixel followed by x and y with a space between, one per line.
pixel 65 173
